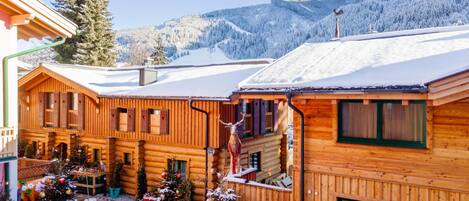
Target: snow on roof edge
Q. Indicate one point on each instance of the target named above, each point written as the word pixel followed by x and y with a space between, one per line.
pixel 408 32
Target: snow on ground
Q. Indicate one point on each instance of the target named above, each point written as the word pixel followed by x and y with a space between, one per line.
pixel 405 58
pixel 202 56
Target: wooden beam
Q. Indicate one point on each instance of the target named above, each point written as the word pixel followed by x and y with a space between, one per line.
pixel 370 96
pixel 405 102
pixel 17 20
pixel 263 96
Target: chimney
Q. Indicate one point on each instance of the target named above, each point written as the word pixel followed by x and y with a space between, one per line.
pixel 337 13
pixel 147 76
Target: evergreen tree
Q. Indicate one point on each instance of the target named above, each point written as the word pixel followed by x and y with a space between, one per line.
pixel 98 39
pixel 94 42
pixel 142 182
pixel 70 9
pixel 159 55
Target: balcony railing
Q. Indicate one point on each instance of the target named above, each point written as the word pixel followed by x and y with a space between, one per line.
pixel 7 144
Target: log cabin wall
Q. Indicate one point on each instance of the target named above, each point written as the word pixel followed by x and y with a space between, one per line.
pixel 184 141
pixel 365 172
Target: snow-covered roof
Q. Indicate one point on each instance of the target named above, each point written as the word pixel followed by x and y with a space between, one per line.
pixel 211 82
pixel 398 59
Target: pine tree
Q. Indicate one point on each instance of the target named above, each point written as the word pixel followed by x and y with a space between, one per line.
pixel 142 182
pixel 159 55
pixel 70 9
pixel 98 39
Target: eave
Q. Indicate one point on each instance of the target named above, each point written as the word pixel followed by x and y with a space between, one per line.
pixel 45 22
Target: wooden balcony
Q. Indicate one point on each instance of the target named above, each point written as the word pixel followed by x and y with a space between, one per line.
pixel 7 144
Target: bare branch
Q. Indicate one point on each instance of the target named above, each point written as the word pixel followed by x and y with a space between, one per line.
pixel 240 121
pixel 224 123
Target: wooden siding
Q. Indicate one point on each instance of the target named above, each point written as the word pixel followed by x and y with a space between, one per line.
pixel 185 140
pixel 252 192
pixel 442 168
pixel 269 147
pixel 186 127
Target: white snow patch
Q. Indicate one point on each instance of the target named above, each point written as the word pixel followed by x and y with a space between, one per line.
pixel 202 56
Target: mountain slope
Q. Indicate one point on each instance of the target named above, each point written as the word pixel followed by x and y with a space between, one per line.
pixel 272 30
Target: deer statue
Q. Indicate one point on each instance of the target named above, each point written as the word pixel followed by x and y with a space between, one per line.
pixel 234 144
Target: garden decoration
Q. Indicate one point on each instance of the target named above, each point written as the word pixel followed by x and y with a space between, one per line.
pixel 234 144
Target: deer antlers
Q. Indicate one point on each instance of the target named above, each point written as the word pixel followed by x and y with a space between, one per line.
pixel 229 125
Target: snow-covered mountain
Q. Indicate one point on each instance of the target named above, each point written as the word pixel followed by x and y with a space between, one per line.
pixel 272 30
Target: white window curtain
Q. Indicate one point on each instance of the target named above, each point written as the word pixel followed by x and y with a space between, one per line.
pixel 403 122
pixel 359 120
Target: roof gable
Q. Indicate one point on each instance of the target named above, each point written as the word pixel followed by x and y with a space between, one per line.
pixel 41 74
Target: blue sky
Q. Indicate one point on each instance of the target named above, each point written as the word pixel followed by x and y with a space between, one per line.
pixel 138 13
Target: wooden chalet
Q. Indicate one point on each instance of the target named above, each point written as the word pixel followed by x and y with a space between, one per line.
pixel 377 117
pixel 142 116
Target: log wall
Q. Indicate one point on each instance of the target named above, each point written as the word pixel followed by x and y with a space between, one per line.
pixel 365 172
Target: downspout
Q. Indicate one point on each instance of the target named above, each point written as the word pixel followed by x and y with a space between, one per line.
pixel 302 145
pixel 6 104
pixel 206 144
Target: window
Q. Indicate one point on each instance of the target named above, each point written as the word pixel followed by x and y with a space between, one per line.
pixel 73 101
pixel 387 123
pixel 269 117
pixel 247 109
pixel 72 110
pixel 178 166
pixel 255 160
pixel 159 121
pixel 49 109
pixel 123 120
pixel 97 155
pixel 127 159
pixel 49 100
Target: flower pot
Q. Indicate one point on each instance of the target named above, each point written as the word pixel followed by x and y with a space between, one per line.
pixel 114 192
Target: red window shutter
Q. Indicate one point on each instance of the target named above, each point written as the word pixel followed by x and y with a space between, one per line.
pixel 41 104
pixel 275 116
pixel 114 119
pixel 239 111
pixel 256 104
pixel 145 121
pixel 164 121
pixel 81 112
pixel 55 111
pixel 262 116
pixel 131 119
pixel 63 110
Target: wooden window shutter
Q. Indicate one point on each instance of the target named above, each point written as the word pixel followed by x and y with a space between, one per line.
pixel 262 116
pixel 239 110
pixel 256 104
pixel 164 122
pixel 131 119
pixel 63 110
pixel 55 111
pixel 275 116
pixel 41 108
pixel 145 121
pixel 81 112
pixel 114 119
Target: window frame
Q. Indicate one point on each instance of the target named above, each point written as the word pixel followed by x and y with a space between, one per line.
pixel 124 158
pixel 259 160
pixel 122 110
pixel 185 174
pixel 379 141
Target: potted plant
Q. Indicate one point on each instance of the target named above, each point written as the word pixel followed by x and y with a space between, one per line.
pixel 115 186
